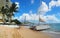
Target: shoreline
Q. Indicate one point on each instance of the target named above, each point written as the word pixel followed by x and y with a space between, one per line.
pixel 52 33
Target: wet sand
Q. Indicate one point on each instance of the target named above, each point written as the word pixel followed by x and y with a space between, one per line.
pixel 53 34
pixel 21 32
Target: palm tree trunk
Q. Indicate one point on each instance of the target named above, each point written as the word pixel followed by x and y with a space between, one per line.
pixel 3 17
pixel 10 19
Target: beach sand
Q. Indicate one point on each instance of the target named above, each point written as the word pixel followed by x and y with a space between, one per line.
pixel 53 34
pixel 22 32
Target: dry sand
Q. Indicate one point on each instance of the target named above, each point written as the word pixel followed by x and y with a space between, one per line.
pixel 22 32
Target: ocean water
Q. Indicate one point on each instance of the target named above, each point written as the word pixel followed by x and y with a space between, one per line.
pixel 54 30
pixel 55 27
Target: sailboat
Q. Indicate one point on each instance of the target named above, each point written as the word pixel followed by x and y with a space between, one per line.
pixel 40 26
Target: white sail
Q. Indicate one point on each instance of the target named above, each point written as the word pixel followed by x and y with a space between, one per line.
pixel 41 20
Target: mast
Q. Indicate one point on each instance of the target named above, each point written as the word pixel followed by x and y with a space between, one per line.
pixel 25 19
pixel 39 18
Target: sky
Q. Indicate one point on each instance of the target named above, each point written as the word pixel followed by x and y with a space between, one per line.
pixel 48 10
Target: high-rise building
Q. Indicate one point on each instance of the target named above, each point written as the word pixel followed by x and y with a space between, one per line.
pixel 5 3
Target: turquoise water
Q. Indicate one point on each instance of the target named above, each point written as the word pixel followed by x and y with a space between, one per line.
pixel 55 27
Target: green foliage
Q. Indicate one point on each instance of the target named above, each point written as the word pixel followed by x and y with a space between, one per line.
pixel 16 21
pixel 13 8
pixel 8 12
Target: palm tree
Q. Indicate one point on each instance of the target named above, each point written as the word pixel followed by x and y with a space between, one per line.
pixel 12 9
pixel 4 11
pixel 8 12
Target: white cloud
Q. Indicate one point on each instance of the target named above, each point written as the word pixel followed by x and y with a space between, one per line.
pixel 32 1
pixel 15 17
pixel 58 3
pixel 52 18
pixel 54 3
pixel 43 8
pixel 49 18
pixel 17 4
pixel 51 4
pixel 35 17
pixel 28 17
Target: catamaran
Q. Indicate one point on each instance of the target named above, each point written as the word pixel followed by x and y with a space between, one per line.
pixel 40 26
